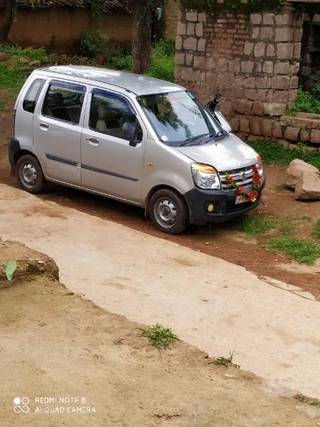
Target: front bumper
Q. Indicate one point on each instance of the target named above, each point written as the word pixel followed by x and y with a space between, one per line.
pixel 225 207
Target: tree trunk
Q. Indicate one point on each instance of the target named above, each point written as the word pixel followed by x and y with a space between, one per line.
pixel 141 48
pixel 9 12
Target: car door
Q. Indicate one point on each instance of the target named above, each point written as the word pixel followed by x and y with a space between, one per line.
pixel 57 130
pixel 109 164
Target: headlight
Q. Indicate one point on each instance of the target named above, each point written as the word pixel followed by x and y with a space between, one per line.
pixel 205 176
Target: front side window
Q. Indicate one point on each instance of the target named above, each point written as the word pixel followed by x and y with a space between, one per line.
pixel 110 113
pixel 64 102
pixel 31 98
pixel 177 118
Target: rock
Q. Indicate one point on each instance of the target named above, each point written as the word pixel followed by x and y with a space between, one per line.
pixel 4 57
pixel 295 171
pixel 308 187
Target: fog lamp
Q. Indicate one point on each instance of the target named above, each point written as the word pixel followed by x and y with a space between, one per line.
pixel 210 207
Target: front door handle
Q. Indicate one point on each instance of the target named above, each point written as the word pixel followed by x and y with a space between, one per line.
pixel 44 126
pixel 93 141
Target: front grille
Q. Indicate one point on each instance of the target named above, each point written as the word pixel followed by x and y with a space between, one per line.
pixel 241 177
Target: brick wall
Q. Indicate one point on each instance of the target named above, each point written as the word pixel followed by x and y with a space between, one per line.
pixel 252 60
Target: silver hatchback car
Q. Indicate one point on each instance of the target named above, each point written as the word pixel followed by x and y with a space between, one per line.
pixel 136 139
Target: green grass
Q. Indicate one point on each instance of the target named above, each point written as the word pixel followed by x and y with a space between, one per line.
pixel 277 154
pixel 306 102
pixel 159 336
pixel 255 225
pixel 316 229
pixel 301 250
pixel 34 54
pixel 12 77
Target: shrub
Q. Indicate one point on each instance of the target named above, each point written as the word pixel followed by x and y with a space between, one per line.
pixel 94 44
pixel 163 61
pixel 35 54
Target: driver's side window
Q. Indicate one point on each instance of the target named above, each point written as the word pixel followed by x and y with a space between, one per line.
pixel 109 112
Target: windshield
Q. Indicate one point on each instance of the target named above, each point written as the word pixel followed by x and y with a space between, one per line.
pixel 179 119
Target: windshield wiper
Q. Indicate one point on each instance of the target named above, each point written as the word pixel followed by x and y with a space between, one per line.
pixel 192 140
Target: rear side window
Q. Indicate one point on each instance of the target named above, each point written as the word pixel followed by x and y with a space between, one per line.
pixel 64 102
pixel 31 98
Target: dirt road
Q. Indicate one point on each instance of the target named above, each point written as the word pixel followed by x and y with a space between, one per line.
pixel 75 364
pixel 212 304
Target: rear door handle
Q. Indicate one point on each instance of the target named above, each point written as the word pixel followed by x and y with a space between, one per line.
pixel 93 141
pixel 44 126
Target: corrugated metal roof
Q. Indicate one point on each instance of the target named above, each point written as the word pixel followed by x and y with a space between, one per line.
pixel 107 4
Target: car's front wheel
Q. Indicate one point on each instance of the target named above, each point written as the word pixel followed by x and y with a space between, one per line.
pixel 168 211
pixel 29 174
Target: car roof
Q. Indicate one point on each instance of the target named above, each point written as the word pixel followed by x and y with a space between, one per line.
pixel 136 83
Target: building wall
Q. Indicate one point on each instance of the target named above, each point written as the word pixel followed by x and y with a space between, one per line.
pixel 172 17
pixel 252 60
pixel 60 28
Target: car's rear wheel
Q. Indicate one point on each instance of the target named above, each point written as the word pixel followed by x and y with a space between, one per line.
pixel 168 211
pixel 29 174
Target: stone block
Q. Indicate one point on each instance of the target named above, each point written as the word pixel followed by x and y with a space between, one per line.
pixel 284 50
pixel 202 45
pixel 277 130
pixel 315 136
pixel 199 29
pixel 235 124
pixel 281 82
pixel 266 127
pixel 268 18
pixel 178 43
pixel 202 17
pixel 199 62
pixel 190 29
pixel 283 34
pixel 268 67
pixel 292 134
pixel 283 19
pixel 305 135
pixel 180 58
pixel 256 18
pixel 259 49
pixel 192 16
pixel 250 83
pixel 247 67
pixel 255 34
pixel 270 51
pixel 242 106
pixel 267 33
pixel 244 126
pixel 189 59
pixel 274 108
pixel 248 48
pixel 258 108
pixel 181 29
pixel 282 68
pixel 190 43
pixel 255 126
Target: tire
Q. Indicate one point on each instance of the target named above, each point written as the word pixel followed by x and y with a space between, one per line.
pixel 29 174
pixel 168 212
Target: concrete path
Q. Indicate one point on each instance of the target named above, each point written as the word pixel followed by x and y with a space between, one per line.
pixel 272 328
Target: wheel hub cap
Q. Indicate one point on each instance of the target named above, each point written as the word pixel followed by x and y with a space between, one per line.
pixel 29 174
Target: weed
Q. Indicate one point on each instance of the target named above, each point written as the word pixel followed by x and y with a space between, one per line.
pixel 224 361
pixel 277 154
pixel 12 77
pixel 159 336
pixel 301 250
pixel 163 61
pixel 308 400
pixel 10 270
pixel 254 225
pixel 306 102
pixel 316 229
pixel 93 44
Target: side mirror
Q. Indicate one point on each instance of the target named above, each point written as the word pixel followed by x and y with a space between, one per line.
pixel 130 133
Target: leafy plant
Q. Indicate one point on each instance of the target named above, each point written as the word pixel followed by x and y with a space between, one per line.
pixel 10 270
pixel 306 102
pixel 163 61
pixel 301 250
pixel 93 44
pixel 224 361
pixel 159 336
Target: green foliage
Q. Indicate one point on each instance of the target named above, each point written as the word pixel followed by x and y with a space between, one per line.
pixel 121 60
pixel 308 400
pixel 301 250
pixel 307 102
pixel 159 336
pixel 224 361
pixel 216 6
pixel 10 270
pixel 279 155
pixel 93 44
pixel 34 54
pixel 163 61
